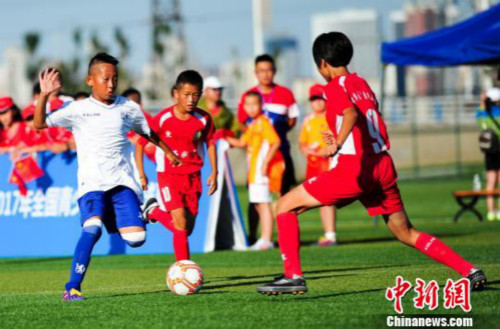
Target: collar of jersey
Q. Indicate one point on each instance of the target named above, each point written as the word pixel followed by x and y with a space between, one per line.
pixel 95 101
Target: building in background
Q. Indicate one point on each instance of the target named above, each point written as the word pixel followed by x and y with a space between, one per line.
pixel 284 49
pixel 395 84
pixel 13 76
pixel 364 29
pixel 422 18
pixel 159 75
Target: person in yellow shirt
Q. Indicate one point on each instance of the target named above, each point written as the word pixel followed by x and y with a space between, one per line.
pixel 265 165
pixel 311 145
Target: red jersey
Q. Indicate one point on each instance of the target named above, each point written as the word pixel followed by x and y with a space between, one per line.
pixel 20 135
pixel 185 138
pixel 369 134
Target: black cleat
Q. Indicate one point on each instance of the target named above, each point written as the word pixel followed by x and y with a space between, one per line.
pixel 147 208
pixel 477 279
pixel 284 285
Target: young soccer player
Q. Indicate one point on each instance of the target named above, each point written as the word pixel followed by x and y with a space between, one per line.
pixel 264 161
pixel 313 147
pixel 185 129
pixel 108 192
pixel 363 170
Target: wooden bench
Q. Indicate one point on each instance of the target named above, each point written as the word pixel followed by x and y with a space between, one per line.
pixel 468 199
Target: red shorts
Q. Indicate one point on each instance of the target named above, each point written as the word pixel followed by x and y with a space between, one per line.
pixel 180 191
pixel 371 180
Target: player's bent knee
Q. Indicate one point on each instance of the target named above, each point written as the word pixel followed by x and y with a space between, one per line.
pixel 93 226
pixel 134 239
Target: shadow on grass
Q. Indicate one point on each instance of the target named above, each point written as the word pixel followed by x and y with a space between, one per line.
pixel 379 239
pixel 337 294
pixel 310 272
pixel 269 278
pixel 157 292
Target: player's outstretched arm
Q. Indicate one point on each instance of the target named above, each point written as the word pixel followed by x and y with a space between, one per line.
pixel 139 161
pixel 212 179
pixel 155 139
pixel 236 142
pixel 50 82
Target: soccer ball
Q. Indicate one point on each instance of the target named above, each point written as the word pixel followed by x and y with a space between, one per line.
pixel 184 278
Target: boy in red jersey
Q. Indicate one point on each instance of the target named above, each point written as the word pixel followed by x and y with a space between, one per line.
pixel 363 170
pixel 184 128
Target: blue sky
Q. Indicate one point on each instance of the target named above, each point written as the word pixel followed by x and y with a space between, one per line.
pixel 213 29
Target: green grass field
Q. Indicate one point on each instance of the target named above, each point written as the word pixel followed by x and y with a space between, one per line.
pixel 346 283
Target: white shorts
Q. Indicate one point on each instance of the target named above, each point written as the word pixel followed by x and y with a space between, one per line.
pixel 259 193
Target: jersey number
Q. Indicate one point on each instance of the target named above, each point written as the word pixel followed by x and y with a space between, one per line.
pixel 374 130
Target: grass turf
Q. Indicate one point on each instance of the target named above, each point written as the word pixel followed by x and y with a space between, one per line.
pixel 346 283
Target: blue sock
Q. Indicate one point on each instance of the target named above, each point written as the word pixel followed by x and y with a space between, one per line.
pixel 81 259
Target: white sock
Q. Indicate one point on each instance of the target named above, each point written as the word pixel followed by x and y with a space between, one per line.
pixel 332 236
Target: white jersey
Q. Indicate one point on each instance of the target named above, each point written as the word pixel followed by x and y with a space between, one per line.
pixel 105 157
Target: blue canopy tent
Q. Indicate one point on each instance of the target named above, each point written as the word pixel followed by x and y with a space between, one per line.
pixel 473 41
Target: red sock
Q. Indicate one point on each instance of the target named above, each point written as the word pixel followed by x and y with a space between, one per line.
pixel 289 240
pixel 163 217
pixel 435 249
pixel 181 244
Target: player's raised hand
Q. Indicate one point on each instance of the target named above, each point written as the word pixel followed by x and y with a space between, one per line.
pixel 328 137
pixel 212 183
pixel 50 81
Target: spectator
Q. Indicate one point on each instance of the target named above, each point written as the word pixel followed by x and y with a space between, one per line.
pixel 81 95
pixel 212 102
pixel 149 148
pixel 134 95
pixel 265 162
pixel 54 140
pixel 279 106
pixel 15 135
pixel 488 118
pixel 313 147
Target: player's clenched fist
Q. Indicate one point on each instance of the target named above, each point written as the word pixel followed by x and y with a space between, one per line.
pixel 50 81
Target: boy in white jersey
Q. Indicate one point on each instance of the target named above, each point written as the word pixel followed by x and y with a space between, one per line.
pixel 108 192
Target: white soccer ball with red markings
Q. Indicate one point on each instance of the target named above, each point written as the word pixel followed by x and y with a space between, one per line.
pixel 184 278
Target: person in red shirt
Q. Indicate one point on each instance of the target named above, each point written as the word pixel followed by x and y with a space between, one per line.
pixel 362 170
pixel 54 139
pixel 16 136
pixel 312 146
pixel 185 129
pixel 280 107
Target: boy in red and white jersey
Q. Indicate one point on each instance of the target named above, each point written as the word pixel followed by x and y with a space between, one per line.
pixel 362 170
pixel 185 129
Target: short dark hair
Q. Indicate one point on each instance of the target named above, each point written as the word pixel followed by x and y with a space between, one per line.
pixel 102 58
pixel 254 94
pixel 131 91
pixel 265 58
pixel 36 89
pixel 191 77
pixel 333 47
pixel 81 94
